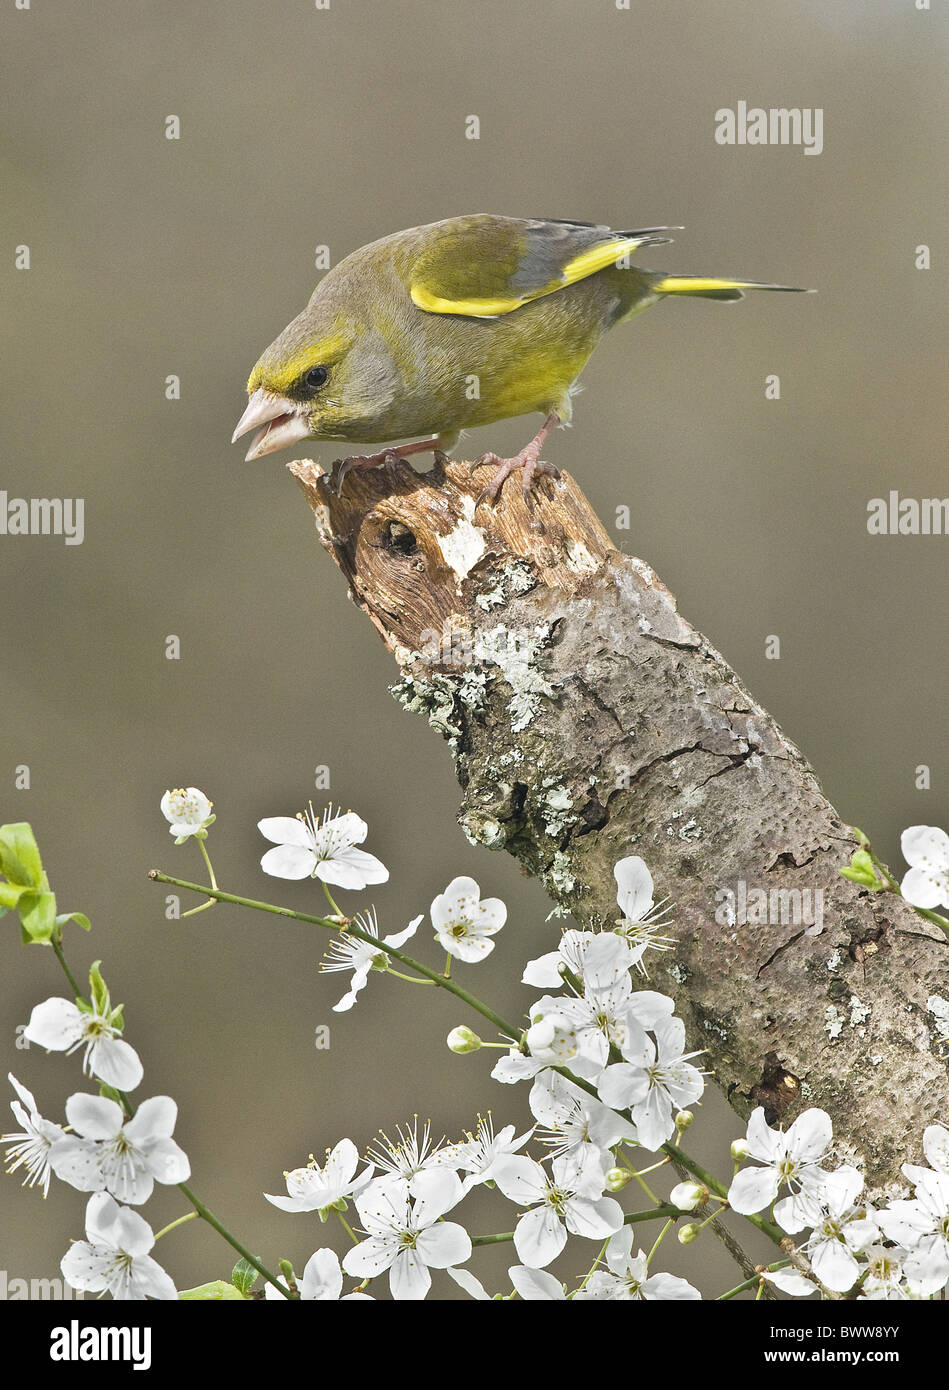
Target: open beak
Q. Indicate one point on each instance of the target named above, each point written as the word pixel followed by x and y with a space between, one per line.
pixel 278 422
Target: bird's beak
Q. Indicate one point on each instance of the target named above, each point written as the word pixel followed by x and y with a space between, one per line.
pixel 278 422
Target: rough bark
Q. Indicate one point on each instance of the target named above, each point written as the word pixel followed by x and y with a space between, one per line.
pixel 589 721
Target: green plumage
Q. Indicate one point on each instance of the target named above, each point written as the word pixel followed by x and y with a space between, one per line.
pixel 456 324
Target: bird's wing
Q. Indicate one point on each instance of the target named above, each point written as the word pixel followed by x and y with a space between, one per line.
pixel 486 266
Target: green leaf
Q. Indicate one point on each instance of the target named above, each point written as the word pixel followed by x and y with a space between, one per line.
pixel 37 914
pixel 862 870
pixel 218 1291
pixel 111 1093
pixel 10 895
pixel 79 917
pixel 20 856
pixel 243 1276
pixel 97 987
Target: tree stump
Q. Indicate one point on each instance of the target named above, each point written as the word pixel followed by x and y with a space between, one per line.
pixel 589 721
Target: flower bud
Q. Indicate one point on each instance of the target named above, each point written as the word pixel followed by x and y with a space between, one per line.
pixel 689 1195
pixel 617 1178
pixel 462 1039
pixel 689 1233
pixel 684 1119
pixel 739 1150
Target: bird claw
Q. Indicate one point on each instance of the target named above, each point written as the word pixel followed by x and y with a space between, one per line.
pixel 530 469
pixel 346 465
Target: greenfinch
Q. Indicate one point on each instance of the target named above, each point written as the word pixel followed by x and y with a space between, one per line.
pixel 456 324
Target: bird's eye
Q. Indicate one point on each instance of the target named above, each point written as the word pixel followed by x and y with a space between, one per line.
pixel 315 378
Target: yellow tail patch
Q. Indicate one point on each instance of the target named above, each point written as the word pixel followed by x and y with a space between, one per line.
pixel 710 288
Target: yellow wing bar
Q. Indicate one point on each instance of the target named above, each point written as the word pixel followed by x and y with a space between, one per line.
pixel 587 263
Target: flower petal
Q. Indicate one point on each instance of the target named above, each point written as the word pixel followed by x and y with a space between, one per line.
pixel 446 1243
pixel 322 1276
pixel 55 1024
pixel 288 861
pixel 923 889
pixel 925 846
pixel 351 868
pixel 286 830
pixel 116 1063
pixel 539 1237
pixel 94 1117
pixel 536 1284
pixel 409 1279
pixel 634 888
pixel 154 1119
pixel 752 1190
pixel 77 1161
pixel 809 1136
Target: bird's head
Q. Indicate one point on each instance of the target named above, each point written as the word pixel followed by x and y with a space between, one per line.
pixel 297 389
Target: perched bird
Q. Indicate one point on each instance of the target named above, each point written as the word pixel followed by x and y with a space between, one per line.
pixel 455 324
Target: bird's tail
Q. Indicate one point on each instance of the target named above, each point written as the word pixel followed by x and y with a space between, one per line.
pixel 702 287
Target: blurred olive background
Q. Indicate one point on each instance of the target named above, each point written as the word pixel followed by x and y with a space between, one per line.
pixel 302 127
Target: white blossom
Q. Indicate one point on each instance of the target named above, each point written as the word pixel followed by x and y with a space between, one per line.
pixel 791 1159
pixel 411 1154
pixel 791 1281
pixel 470 1283
pixel 627 1277
pixel 322 1280
pixel 936 1147
pixel 515 1066
pixel 579 1031
pixel 575 1120
pixel 347 952
pixel 464 922
pixel 325 851
pixel 545 973
pixel 314 1188
pixel 569 1198
pixel 921 1224
pixel 108 1153
pixel 114 1256
pixel 60 1026
pixel 478 1155
pixel 842 1230
pixel 885 1282
pixel 688 1195
pixel 926 849
pixel 642 922
pixel 406 1235
pixel 30 1147
pixel 188 810
pixel 655 1080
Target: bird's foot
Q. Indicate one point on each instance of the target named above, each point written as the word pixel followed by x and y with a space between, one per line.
pixel 385 458
pixel 528 462
pixel 530 468
pixel 389 458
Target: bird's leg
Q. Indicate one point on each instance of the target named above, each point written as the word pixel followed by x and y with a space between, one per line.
pixel 391 456
pixel 529 462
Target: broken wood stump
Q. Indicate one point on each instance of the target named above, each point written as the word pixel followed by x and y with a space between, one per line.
pixel 588 721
